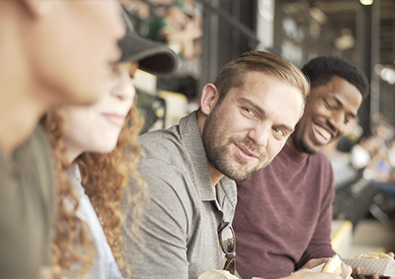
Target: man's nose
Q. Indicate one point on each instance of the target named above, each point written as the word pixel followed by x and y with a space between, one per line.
pixel 338 122
pixel 260 134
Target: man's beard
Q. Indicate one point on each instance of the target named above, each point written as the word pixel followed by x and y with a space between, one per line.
pixel 302 145
pixel 305 148
pixel 218 153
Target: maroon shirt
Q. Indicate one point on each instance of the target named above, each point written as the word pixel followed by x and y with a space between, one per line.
pixel 283 215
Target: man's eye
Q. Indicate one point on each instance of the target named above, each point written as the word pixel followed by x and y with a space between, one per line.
pixel 328 104
pixel 346 120
pixel 249 111
pixel 279 131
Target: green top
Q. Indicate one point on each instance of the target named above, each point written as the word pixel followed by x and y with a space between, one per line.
pixel 155 27
pixel 27 208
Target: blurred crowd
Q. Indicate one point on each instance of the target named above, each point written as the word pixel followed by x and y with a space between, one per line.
pixel 372 155
pixel 178 25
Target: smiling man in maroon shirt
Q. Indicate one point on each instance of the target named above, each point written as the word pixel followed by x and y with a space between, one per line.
pixel 284 211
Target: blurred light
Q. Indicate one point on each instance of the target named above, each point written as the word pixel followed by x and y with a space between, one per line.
pixel 378 69
pixel 388 75
pixel 345 41
pixel 318 15
pixel 366 2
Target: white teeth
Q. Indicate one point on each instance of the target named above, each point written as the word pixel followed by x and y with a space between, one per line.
pixel 324 133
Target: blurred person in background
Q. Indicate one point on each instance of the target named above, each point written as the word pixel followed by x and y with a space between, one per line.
pixel 383 206
pixel 371 155
pixel 180 29
pixel 284 212
pixel 98 149
pixel 47 59
pixel 374 157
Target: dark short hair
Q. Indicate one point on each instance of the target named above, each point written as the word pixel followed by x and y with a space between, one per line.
pixel 321 70
pixel 234 73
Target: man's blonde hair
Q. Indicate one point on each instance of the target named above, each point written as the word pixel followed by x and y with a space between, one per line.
pixel 233 74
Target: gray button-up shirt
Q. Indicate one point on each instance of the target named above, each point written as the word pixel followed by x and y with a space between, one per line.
pixel 183 215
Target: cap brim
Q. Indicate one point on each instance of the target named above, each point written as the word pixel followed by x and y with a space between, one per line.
pixel 152 57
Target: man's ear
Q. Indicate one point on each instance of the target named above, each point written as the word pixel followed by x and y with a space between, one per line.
pixel 209 98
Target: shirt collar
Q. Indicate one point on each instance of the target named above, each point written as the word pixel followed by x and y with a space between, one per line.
pixel 192 140
pixel 74 174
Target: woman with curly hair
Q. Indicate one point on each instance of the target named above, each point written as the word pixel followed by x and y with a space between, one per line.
pixel 97 146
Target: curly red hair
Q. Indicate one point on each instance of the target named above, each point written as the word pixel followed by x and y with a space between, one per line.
pixel 105 178
pixel 72 242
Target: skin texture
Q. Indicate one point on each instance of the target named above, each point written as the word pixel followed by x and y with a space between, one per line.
pixel 96 128
pixel 248 128
pixel 57 52
pixel 78 70
pixel 328 111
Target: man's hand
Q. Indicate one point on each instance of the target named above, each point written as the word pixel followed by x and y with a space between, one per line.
pixel 358 274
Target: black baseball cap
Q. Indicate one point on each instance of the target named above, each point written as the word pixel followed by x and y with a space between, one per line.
pixel 153 57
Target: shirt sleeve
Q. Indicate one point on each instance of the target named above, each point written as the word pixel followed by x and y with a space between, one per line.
pixel 320 243
pixel 49 189
pixel 163 253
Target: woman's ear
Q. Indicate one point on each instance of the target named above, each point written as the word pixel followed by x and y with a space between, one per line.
pixel 209 98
